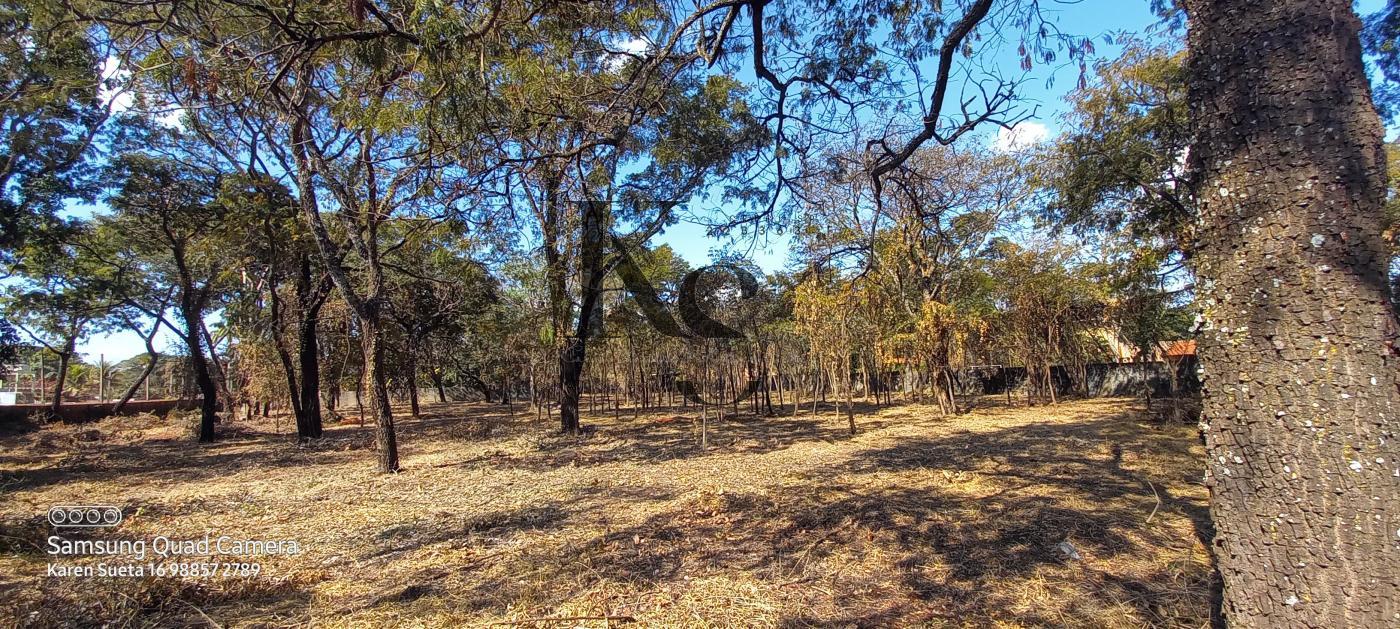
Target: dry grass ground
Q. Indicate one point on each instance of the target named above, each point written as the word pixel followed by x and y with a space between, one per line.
pixel 919 520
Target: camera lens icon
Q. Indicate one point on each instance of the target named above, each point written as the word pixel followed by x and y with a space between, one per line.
pixel 85 516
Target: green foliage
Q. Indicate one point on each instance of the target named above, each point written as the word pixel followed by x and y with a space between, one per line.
pixel 62 289
pixel 50 113
pixel 1144 314
pixel 162 205
pixel 1380 40
pixel 1120 181
pixel 705 132
pixel 1122 165
pixel 9 343
pixel 1051 310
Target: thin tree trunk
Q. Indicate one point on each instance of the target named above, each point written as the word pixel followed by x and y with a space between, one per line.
pixel 284 356
pixel 1030 379
pixel 61 377
pixel 778 369
pixel 360 396
pixel 850 410
pixel 442 393
pixel 216 369
pixel 704 434
pixel 412 359
pixel 1146 384
pixel 151 357
pixel 950 389
pixel 1301 402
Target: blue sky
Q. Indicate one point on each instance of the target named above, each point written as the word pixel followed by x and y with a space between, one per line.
pixel 1086 18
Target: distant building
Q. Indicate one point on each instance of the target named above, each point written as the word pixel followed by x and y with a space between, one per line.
pixel 9 381
pixel 1176 350
pixel 1120 350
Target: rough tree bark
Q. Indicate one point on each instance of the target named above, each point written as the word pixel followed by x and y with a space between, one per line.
pixel 1296 347
pixel 570 368
pixel 199 365
pixel 309 357
pixel 385 440
pixel 592 268
pixel 311 298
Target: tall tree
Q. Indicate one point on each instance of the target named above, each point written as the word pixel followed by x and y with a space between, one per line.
pixel 51 109
pixel 169 214
pixel 61 293
pixel 1298 344
pixel 676 137
pixel 139 298
pixel 282 300
pixel 1121 165
pixel 435 286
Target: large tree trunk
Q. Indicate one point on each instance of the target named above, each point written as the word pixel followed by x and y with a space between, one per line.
pixel 575 348
pixel 309 300
pixel 1300 382
pixel 208 390
pixel 309 357
pixel 385 441
pixel 570 369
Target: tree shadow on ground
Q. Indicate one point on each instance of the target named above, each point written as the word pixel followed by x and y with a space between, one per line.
pixel 948 529
pixel 656 437
pixel 970 527
pixel 483 529
pixel 165 461
pixel 59 453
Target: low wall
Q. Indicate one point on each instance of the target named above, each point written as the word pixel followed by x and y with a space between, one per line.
pixel 79 412
pixel 1102 379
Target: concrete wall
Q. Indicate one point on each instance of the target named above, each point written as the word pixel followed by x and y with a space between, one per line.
pixel 1104 379
pixel 78 412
